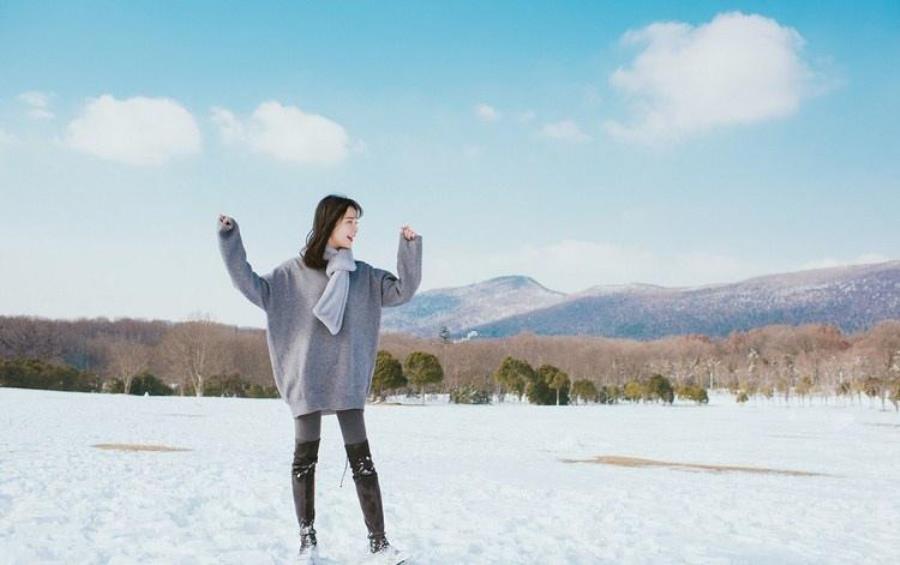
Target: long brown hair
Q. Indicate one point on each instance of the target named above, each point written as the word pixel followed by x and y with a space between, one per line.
pixel 329 212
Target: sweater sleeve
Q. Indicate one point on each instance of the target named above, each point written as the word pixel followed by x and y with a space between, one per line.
pixel 254 287
pixel 400 290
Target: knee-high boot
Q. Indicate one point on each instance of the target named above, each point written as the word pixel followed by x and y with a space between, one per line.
pixel 303 484
pixel 369 493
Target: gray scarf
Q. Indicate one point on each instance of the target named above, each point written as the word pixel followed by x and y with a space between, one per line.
pixel 331 305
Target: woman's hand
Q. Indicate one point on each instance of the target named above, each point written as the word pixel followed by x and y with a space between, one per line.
pixel 225 222
pixel 407 232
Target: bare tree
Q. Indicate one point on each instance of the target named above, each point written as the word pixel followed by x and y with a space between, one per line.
pixel 125 360
pixel 193 350
pixel 23 336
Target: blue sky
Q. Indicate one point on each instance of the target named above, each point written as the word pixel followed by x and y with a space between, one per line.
pixel 581 143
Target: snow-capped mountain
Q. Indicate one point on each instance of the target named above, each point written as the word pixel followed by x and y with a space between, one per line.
pixel 463 307
pixel 853 297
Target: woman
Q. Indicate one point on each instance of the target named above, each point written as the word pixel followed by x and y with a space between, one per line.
pixel 323 311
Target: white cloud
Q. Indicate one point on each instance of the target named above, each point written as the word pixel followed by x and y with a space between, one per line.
pixel 486 113
pixel 735 69
pixel 573 265
pixel 287 133
pixel 136 131
pixel 38 104
pixel 862 259
pixel 566 130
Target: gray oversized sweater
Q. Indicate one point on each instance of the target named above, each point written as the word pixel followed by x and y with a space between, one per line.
pixel 313 369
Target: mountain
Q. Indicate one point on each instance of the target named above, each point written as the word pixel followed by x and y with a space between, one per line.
pixel 852 297
pixel 462 307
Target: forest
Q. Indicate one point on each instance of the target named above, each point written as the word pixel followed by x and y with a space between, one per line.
pixel 200 356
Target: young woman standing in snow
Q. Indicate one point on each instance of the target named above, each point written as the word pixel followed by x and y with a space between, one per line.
pixel 323 312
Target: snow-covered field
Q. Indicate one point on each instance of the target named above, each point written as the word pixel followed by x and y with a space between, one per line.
pixel 461 484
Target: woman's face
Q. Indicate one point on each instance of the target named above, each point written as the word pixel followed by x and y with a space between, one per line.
pixel 344 233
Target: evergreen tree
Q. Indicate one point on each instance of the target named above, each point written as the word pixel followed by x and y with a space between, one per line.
pixel 585 390
pixel 659 388
pixel 388 374
pixel 30 372
pixel 693 392
pixel 513 375
pixel 634 391
pixel 558 380
pixel 423 369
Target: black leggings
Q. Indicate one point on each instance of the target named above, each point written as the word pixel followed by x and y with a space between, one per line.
pixel 308 427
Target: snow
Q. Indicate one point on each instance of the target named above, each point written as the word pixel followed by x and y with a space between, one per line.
pixel 461 484
pixel 466 306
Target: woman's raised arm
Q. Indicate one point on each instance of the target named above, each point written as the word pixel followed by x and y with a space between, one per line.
pixel 251 285
pixel 399 290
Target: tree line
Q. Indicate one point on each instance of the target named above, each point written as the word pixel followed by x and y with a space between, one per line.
pixel 198 356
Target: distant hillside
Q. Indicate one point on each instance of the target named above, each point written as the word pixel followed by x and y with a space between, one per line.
pixel 468 306
pixel 853 297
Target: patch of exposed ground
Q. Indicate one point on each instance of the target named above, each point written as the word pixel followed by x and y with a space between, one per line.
pixel 137 447
pixel 624 461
